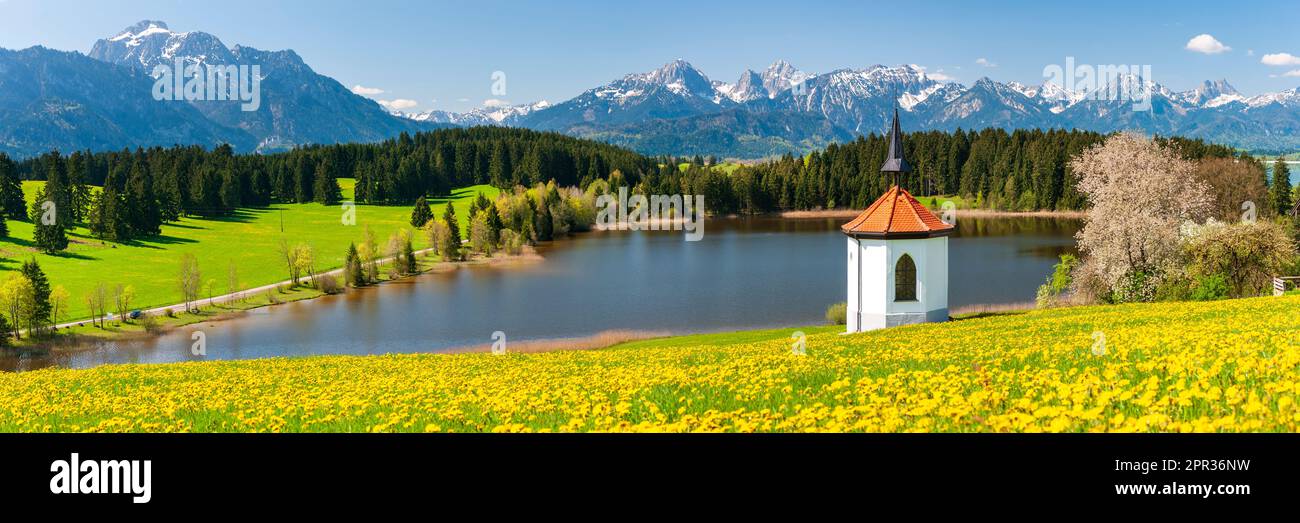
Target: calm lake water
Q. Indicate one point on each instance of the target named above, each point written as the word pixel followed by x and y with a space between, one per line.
pixel 746 273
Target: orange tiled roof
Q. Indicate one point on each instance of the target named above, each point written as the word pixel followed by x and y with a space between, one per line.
pixel 896 213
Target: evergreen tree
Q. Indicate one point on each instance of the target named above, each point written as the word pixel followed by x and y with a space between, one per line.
pixel 12 204
pixel 421 214
pixel 78 190
pixel 353 273
pixel 304 177
pixel 39 301
pixel 231 196
pixel 408 256
pixel 325 186
pixel 6 331
pixel 49 235
pixel 1281 187
pixel 141 205
pixel 449 216
pixel 57 189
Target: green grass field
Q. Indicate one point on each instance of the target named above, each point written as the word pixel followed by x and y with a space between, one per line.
pixel 250 239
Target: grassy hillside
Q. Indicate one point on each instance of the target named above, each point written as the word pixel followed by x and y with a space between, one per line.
pixel 1218 366
pixel 250 239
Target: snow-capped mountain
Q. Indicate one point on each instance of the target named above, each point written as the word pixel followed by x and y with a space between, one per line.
pixel 1055 97
pixel 630 110
pixel 675 90
pixel 486 115
pixel 748 87
pixel 1287 98
pixel 1212 94
pixel 65 100
pixel 150 43
pixel 756 86
pixel 672 109
pixel 298 106
pixel 781 76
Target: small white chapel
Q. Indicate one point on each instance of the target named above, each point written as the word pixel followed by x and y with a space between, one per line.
pixel 897 255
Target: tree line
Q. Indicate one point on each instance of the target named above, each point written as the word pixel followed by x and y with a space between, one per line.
pixel 144 188
pixel 1020 170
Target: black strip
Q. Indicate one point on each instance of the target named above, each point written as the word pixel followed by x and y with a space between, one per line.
pixel 369 470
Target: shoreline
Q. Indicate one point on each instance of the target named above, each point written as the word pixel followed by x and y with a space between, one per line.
pixel 72 342
pixel 968 213
pixel 218 308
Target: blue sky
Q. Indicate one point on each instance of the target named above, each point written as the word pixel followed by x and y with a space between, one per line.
pixel 442 54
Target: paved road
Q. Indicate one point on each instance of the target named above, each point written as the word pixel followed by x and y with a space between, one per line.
pixel 230 296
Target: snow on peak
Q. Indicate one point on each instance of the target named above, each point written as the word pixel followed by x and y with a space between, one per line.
pixel 135 34
pixel 909 100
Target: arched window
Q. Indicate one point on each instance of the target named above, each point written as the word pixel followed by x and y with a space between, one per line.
pixel 905 279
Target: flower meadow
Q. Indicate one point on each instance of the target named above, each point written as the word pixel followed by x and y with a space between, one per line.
pixel 1167 367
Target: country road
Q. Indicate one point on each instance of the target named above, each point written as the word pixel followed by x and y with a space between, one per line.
pixel 230 296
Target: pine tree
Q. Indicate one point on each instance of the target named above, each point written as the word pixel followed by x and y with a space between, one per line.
pixel 49 235
pixel 12 204
pixel 230 193
pixel 325 186
pixel 449 216
pixel 56 187
pixel 408 255
pixel 1281 187
pixel 304 176
pixel 421 214
pixel 39 301
pixel 353 273
pixel 5 331
pixel 141 204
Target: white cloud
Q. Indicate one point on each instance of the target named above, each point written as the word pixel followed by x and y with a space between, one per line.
pixel 985 62
pixel 398 104
pixel 462 100
pixel 1280 59
pixel 1292 74
pixel 1204 43
pixel 493 102
pixel 366 91
pixel 937 75
pixel 1250 52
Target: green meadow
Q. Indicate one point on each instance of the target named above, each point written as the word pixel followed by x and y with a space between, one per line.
pixel 249 239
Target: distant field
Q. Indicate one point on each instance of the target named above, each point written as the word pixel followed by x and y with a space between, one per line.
pixel 1225 366
pixel 250 239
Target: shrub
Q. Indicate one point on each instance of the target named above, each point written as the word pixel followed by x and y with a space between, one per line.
pixel 837 314
pixel 1247 255
pixel 1138 285
pixel 328 284
pixel 1211 287
pixel 511 242
pixel 1059 281
pixel 149 322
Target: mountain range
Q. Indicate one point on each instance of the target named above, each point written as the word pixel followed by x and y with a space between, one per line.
pixel 66 100
pixel 677 109
pixel 53 99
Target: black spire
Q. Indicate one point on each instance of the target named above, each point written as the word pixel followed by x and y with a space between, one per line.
pixel 894 160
